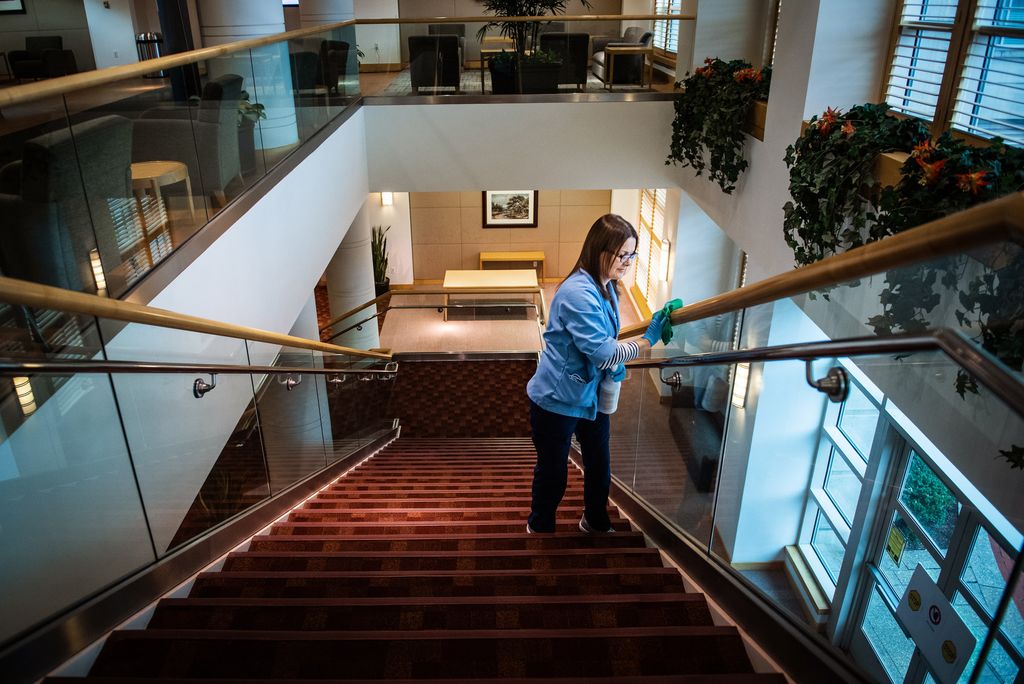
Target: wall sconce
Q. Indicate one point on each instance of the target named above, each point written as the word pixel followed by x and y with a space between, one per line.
pixel 740 382
pixel 97 272
pixel 27 400
pixel 387 199
pixel 666 251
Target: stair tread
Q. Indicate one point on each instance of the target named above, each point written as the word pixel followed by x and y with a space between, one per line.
pixel 438 600
pixel 423 635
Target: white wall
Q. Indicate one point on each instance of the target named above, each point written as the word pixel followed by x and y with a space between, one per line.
pixel 111 32
pixel 380 43
pixel 65 18
pixel 399 237
pixel 427 148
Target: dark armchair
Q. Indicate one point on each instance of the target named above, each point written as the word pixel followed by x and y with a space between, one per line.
pixel 43 57
pixel 451 30
pixel 573 49
pixel 628 68
pixel 333 65
pixel 435 62
pixel 208 145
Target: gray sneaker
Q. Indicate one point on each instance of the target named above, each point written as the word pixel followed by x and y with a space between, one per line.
pixel 587 529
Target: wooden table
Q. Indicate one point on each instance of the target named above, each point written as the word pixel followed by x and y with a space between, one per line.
pixel 153 175
pixel 610 53
pixel 474 281
pixel 536 258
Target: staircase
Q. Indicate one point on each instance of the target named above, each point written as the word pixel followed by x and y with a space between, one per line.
pixel 416 565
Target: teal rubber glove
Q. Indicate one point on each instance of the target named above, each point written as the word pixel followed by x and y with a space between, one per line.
pixel 619 374
pixel 666 329
pixel 654 330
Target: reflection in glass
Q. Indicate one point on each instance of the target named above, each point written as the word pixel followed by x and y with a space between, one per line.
pixel 914 553
pixel 998 666
pixel 842 486
pixel 829 547
pixel 891 645
pixel 985 576
pixel 858 421
pixel 930 502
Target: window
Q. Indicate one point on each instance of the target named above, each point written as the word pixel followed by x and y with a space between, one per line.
pixel 666 32
pixel 651 230
pixel 959 69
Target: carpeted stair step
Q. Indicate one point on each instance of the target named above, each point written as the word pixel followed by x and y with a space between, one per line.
pixel 466 654
pixel 498 490
pixel 449 542
pixel 460 613
pixel 734 678
pixel 438 583
pixel 416 493
pixel 421 502
pixel 391 515
pixel 427 561
pixel 566 523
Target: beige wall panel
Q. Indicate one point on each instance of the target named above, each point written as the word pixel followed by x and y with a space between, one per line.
pixel 547 229
pixel 576 221
pixel 550 198
pixel 581 197
pixel 436 226
pixel 473 231
pixel 433 199
pixel 429 262
pixel 471 199
pixel 471 253
pixel 568 252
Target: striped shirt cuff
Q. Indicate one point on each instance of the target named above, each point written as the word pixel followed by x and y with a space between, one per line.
pixel 624 351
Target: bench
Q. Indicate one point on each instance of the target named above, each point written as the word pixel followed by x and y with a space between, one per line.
pixel 514 260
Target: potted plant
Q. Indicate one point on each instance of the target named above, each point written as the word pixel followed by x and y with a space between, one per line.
pixel 248 114
pixel 379 252
pixel 519 66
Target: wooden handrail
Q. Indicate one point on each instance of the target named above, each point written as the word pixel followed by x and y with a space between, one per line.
pixel 350 312
pixel 1000 220
pixel 26 293
pixel 52 87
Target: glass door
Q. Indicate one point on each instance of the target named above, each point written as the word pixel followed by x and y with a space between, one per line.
pixel 926 520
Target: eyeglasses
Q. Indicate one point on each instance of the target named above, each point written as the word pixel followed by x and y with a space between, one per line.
pixel 627 257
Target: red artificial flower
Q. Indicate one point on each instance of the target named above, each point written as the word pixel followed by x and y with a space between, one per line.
pixel 931 170
pixel 848 129
pixel 708 61
pixel 828 120
pixel 972 182
pixel 747 76
pixel 924 149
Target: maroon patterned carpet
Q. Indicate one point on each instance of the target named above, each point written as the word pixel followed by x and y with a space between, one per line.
pixel 416 566
pixel 463 398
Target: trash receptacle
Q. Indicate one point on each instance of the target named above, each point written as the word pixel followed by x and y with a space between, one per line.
pixel 148 45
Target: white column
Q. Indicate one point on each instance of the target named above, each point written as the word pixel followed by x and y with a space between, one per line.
pixel 224 21
pixel 350 283
pixel 316 12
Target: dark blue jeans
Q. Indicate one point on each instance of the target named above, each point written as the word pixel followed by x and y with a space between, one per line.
pixel 552 435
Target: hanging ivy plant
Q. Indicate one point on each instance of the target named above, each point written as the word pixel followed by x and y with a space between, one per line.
pixel 831 167
pixel 707 131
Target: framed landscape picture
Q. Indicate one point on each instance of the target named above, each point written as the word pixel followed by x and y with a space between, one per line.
pixel 12 7
pixel 510 208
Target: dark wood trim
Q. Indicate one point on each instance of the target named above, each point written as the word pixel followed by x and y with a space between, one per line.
pixel 39 652
pixel 800 652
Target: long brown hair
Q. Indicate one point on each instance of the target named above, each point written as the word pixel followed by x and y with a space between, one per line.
pixel 601 246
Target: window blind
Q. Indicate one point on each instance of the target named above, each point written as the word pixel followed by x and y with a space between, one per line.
pixel 919 60
pixel 651 230
pixel 990 95
pixel 666 32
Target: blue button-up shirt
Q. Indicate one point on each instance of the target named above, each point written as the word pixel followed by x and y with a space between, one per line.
pixel 582 334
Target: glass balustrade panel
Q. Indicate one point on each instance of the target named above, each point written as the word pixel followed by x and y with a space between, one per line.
pixel 48 234
pixel 70 512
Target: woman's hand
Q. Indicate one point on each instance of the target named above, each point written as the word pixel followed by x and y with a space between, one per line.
pixel 653 333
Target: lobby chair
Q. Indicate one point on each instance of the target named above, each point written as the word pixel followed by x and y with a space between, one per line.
pixel 628 68
pixel 43 57
pixel 168 134
pixel 333 66
pixel 574 51
pixel 51 223
pixel 451 30
pixel 434 62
